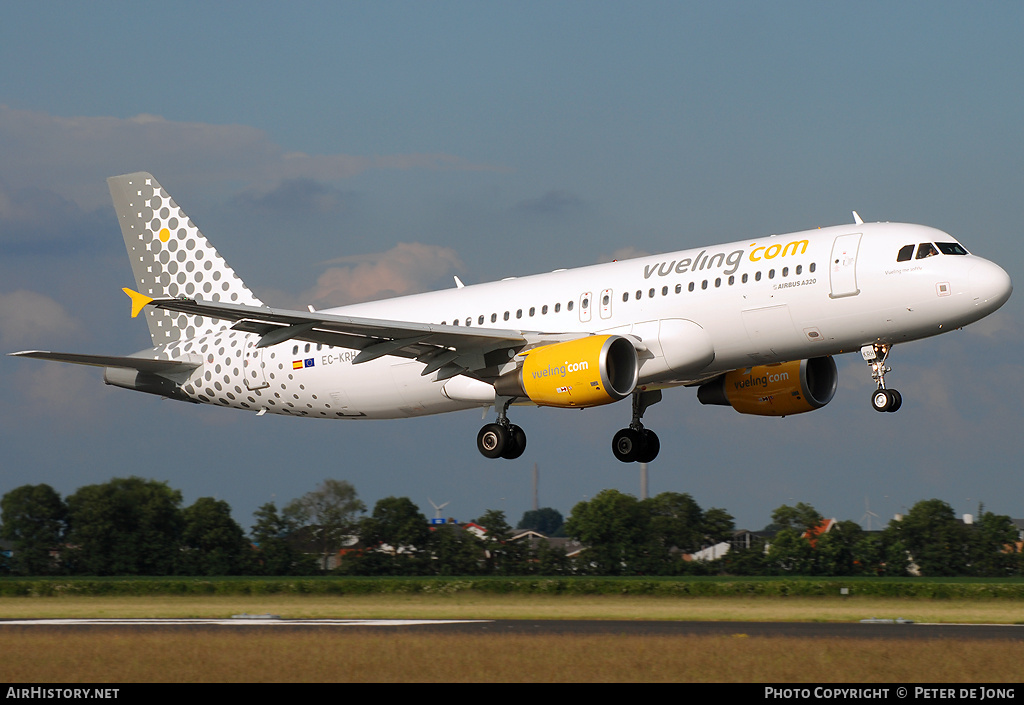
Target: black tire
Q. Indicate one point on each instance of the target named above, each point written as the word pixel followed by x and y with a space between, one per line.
pixel 897 400
pixel 492 440
pixel 626 445
pixel 650 446
pixel 881 400
pixel 516 443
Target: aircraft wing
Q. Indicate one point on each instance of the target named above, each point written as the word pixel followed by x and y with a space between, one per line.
pixel 448 350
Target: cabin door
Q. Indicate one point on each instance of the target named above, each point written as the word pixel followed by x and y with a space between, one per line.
pixel 843 266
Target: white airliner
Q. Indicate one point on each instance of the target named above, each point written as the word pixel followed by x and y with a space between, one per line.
pixel 753 324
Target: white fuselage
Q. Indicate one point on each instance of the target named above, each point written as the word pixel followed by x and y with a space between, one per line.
pixel 785 297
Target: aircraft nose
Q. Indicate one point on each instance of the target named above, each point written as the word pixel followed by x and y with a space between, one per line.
pixel 989 285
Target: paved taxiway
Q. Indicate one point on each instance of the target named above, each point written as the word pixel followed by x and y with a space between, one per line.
pixel 819 630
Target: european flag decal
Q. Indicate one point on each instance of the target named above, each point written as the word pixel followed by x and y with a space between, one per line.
pixel 308 362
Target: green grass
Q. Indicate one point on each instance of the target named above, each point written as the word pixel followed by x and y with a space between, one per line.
pixel 473 605
pixel 1011 589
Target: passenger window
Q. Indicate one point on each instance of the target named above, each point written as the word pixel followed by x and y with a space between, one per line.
pixel 690 288
pixel 532 311
pixel 799 269
pixel 558 307
pixel 519 313
pixel 905 253
pixel 926 249
pixel 295 350
pixel 718 282
pixel 785 271
pixel 679 288
pixel 771 273
pixel 494 318
pixel 744 279
pixel 469 321
pixel 732 280
pixel 307 347
pixel 650 293
pixel 757 276
pixel 664 291
pixel 506 315
pixel 480 321
pixel 568 306
pixel 639 294
pixel 544 310
pixel 625 297
pixel 704 284
pixel 813 267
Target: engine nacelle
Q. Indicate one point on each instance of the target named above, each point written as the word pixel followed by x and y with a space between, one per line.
pixel 591 371
pixel 778 389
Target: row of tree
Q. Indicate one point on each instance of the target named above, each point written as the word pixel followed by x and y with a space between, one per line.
pixel 929 540
pixel 132 526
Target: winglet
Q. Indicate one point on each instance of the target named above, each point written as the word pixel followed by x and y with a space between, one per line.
pixel 139 301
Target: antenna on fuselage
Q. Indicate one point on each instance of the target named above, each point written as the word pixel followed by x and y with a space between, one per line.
pixel 856 219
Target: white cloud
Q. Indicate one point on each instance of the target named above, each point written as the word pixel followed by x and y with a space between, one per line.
pixel 407 268
pixel 628 252
pixel 27 316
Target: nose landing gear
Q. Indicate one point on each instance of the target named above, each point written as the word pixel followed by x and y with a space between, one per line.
pixel 882 399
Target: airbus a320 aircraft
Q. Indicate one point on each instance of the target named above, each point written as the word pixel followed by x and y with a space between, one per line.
pixel 752 324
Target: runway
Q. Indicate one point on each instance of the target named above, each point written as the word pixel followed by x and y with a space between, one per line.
pixel 811 630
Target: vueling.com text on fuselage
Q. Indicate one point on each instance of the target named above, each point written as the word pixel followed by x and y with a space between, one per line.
pixel 704 261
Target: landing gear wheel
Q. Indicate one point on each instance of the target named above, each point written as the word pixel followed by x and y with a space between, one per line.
pixel 649 446
pixel 883 400
pixel 626 445
pixel 492 440
pixel 897 400
pixel 516 443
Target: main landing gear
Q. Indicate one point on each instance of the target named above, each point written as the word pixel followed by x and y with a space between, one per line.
pixel 882 399
pixel 502 439
pixel 636 443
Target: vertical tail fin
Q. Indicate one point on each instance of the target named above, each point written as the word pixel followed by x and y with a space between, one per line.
pixel 170 257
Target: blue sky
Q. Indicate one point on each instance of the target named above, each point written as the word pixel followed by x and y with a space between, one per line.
pixel 336 152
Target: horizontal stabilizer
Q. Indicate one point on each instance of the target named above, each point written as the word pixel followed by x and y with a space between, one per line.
pixel 132 363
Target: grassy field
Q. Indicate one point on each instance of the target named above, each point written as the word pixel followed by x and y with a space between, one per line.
pixel 125 656
pixel 115 656
pixel 484 606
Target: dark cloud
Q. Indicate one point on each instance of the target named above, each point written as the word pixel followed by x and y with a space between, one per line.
pixel 73 155
pixel 557 202
pixel 293 196
pixel 35 221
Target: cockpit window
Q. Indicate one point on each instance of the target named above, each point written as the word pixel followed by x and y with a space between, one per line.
pixel 926 249
pixel 951 248
pixel 906 252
